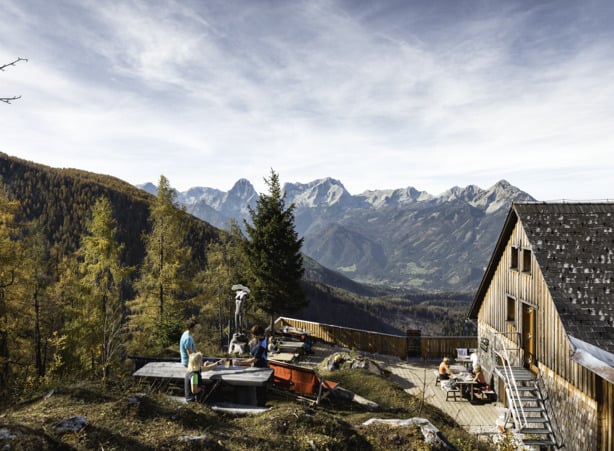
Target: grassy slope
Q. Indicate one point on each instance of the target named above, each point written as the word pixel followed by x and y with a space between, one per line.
pixel 116 421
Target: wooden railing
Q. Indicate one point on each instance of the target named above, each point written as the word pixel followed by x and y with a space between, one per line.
pixel 375 342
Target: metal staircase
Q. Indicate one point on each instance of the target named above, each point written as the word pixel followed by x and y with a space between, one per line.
pixel 526 403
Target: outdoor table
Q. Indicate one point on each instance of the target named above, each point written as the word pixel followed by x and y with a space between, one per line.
pixel 465 382
pixel 287 357
pixel 291 346
pixel 464 360
pixel 248 382
pixel 455 369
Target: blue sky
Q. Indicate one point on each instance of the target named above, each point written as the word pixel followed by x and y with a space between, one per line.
pixel 376 94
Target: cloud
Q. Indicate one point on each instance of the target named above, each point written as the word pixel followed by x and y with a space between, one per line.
pixel 376 94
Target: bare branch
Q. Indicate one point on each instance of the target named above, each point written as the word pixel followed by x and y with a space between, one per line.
pixel 13 63
pixel 2 68
pixel 9 99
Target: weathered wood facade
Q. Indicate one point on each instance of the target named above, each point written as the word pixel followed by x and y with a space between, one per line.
pixel 544 294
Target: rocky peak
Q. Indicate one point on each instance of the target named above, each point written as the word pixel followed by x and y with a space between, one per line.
pixel 319 193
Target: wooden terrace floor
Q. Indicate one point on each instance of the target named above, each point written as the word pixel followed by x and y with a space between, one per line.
pixel 416 377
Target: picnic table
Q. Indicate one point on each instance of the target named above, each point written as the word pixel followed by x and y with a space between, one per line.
pixel 466 383
pixel 248 384
pixel 457 369
pixel 465 360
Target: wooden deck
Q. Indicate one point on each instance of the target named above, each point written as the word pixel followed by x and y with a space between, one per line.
pixel 416 377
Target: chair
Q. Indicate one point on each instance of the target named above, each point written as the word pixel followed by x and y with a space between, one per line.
pixel 437 378
pixel 461 352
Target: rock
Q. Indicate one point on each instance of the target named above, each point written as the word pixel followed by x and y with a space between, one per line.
pixel 5 434
pixel 432 435
pixel 74 424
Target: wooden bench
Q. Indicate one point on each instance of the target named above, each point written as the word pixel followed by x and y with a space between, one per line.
pixel 450 391
pixel 490 395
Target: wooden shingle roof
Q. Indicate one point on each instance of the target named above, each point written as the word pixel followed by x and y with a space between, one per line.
pixel 573 244
pixel 574 247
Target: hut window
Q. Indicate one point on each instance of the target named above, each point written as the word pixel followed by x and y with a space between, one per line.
pixel 514 260
pixel 511 309
pixel 526 260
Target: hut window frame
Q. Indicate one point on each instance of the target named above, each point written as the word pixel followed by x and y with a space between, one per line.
pixel 514 257
pixel 527 255
pixel 510 311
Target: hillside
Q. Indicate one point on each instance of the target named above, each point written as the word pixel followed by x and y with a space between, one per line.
pixel 60 201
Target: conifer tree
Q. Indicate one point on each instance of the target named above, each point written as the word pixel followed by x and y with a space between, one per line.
pixel 11 260
pixel 165 286
pixel 100 319
pixel 44 315
pixel 273 253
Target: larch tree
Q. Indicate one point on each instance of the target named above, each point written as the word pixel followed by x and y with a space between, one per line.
pixel 165 288
pixel 100 319
pixel 273 253
pixel 44 315
pixel 11 290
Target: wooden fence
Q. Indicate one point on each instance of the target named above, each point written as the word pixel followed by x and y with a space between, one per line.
pixel 374 342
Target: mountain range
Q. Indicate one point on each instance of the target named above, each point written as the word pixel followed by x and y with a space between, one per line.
pixel 398 238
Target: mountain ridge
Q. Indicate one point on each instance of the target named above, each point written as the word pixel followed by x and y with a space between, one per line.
pixel 402 238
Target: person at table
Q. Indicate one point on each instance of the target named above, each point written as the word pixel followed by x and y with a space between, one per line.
pixel 444 370
pixel 478 377
pixel 187 345
pixel 193 382
pixel 258 347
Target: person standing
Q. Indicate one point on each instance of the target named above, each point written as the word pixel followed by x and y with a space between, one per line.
pixel 187 345
pixel 193 383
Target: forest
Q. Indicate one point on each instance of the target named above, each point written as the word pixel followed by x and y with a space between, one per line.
pixel 93 270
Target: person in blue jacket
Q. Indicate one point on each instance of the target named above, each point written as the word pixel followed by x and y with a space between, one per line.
pixel 258 347
pixel 187 345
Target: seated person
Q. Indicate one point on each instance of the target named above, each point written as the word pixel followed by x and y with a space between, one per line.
pixel 444 370
pixel 479 377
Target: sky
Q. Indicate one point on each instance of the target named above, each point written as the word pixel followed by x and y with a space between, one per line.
pixel 376 94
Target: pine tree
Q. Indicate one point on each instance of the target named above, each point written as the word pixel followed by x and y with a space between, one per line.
pixel 165 286
pixel 273 252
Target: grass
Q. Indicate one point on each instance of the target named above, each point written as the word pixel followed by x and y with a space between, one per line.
pixel 135 417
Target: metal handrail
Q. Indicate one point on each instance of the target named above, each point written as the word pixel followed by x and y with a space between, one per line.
pixel 520 416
